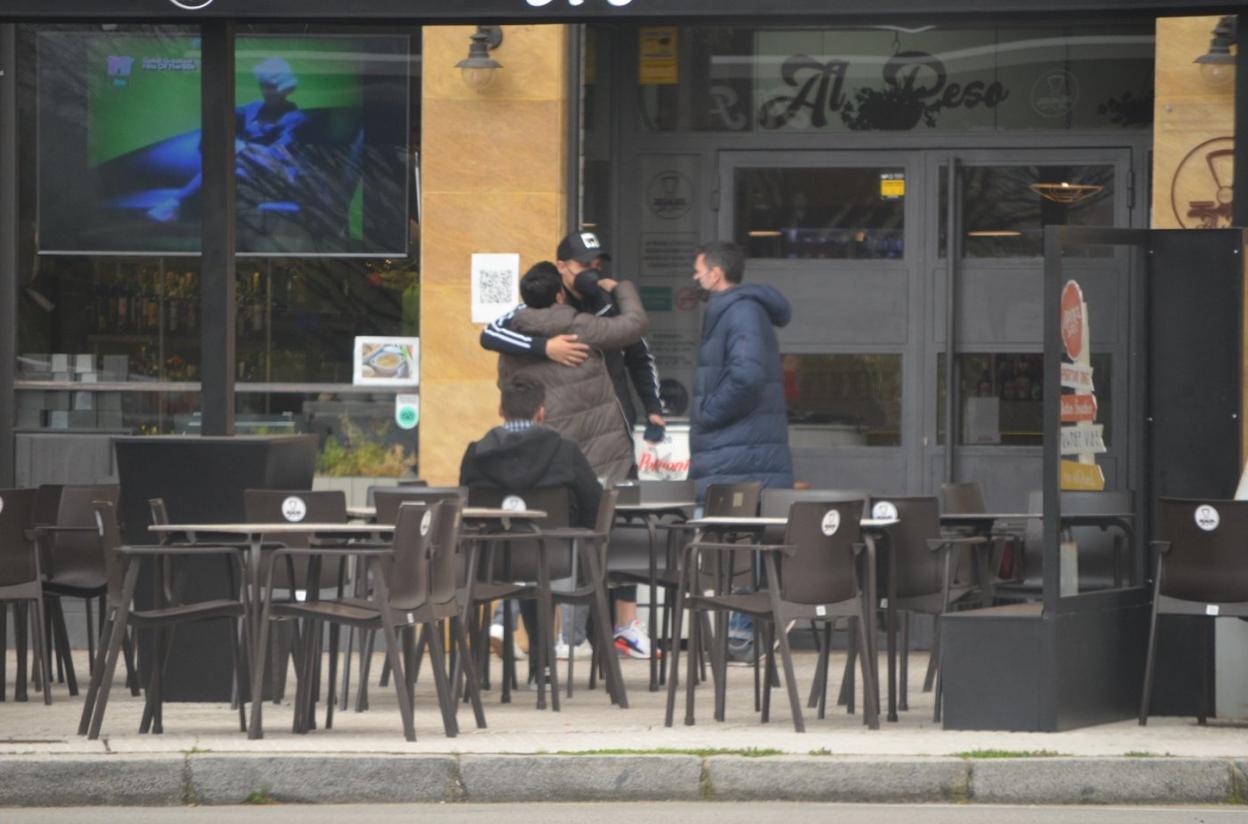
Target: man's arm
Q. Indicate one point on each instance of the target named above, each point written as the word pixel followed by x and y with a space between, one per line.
pixel 500 337
pixel 614 332
pixel 645 377
pixel 744 370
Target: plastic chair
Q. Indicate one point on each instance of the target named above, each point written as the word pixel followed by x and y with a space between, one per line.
pixel 1201 570
pixel 813 575
pixel 122 564
pixel 21 585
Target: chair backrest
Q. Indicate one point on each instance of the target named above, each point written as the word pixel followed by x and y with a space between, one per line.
pixel 732 500
pixel 19 560
pixel 108 538
pixel 79 552
pixel 413 543
pixel 822 570
pixel 919 570
pixel 296 506
pixel 962 497
pixel 47 503
pixel 389 500
pixel 1096 546
pixel 1207 561
pixel 446 568
pixel 555 502
pixel 777 502
pixel 658 492
pixel 401 483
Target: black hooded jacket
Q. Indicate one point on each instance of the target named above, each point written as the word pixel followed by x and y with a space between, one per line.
pixel 535 458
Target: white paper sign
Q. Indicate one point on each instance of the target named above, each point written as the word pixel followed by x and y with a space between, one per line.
pixel 1077 440
pixel 294 509
pixel 495 285
pixel 1078 377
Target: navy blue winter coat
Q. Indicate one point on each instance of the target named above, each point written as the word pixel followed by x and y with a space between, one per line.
pixel 739 422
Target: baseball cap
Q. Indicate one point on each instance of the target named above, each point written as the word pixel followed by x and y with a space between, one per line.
pixel 583 247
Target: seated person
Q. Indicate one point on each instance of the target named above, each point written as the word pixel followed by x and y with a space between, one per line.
pixel 524 454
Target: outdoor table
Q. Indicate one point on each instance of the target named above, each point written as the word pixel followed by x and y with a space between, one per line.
pixel 651 516
pixel 253 534
pixel 872 527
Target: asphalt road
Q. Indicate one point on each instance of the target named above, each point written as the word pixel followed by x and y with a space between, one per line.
pixel 686 813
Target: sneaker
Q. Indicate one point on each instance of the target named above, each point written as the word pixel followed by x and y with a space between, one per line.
pixel 632 641
pixel 496 643
pixel 740 650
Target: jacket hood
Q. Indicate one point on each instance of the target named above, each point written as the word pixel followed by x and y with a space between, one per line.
pixel 517 460
pixel 776 305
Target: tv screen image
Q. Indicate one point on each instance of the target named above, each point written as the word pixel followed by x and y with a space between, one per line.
pixel 321 144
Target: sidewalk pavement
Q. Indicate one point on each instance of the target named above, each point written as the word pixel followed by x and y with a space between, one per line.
pixel 592 751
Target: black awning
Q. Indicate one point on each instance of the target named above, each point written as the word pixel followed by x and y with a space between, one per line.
pixel 534 11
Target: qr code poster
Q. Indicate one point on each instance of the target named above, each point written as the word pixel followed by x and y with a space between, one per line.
pixel 495 285
pixel 386 362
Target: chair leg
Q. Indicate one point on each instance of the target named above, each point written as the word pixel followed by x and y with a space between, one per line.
pixel 4 648
pixel 1149 662
pixel 396 666
pixel 1202 706
pixel 769 663
pixel 368 640
pixel 848 686
pixel 870 709
pixel 132 671
pixel 903 699
pixel 432 636
pixel 41 654
pixel 473 685
pixel 51 638
pixel 62 640
pixel 509 653
pixel 933 660
pixel 106 677
pixel 790 680
pixel 385 674
pixel 97 675
pixel 20 621
pixel 827 665
pixel 332 681
pixel 236 656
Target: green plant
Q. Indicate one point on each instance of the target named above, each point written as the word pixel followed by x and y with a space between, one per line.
pixel 260 797
pixel 363 454
pixel 1008 754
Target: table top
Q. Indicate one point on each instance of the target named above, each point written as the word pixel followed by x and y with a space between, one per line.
pixel 869 523
pixel 975 517
pixel 655 506
pixel 288 528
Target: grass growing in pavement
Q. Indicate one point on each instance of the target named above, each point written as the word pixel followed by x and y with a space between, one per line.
pixel 260 797
pixel 1008 754
pixel 747 752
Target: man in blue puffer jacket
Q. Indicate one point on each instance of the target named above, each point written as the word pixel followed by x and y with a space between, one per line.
pixel 739 422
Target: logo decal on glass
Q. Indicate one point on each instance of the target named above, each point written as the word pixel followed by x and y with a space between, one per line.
pixel 294 509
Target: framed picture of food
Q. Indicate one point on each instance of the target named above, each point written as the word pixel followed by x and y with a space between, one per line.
pixel 387 362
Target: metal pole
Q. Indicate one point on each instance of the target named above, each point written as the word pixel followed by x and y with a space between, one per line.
pixel 1053 250
pixel 952 238
pixel 572 171
pixel 1239 205
pixel 217 287
pixel 8 250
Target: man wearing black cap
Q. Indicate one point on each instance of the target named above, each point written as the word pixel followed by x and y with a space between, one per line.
pixel 579 258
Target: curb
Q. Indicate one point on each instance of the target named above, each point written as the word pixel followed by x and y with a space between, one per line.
pixel 219 778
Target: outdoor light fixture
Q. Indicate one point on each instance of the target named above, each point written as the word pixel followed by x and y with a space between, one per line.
pixel 478 68
pixel 1217 66
pixel 1064 192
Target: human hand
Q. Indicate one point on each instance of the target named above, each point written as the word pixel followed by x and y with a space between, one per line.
pixel 566 350
pixel 657 419
pixel 608 284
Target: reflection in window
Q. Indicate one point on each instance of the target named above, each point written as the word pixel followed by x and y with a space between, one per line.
pixel 1001 398
pixel 843 400
pixel 1005 208
pixel 804 213
pixel 126 413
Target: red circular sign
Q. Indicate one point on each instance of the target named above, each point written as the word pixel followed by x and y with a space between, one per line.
pixel 1072 319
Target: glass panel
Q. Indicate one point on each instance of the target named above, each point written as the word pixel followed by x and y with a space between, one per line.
pixel 843 400
pixel 1005 208
pixel 804 213
pixel 1001 398
pixel 358 434
pixel 133 413
pixel 596 121
pixel 886 78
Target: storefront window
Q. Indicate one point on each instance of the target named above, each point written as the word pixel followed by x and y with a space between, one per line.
pixel 843 400
pixel 826 212
pixel 869 78
pixel 1001 398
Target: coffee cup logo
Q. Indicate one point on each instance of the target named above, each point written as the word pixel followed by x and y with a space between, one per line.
pixel 294 509
pixel 192 5
pixel 425 523
pixel 514 503
pixel 831 522
pixel 1207 518
pixel 884 511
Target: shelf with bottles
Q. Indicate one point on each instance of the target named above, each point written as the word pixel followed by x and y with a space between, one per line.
pixel 151 299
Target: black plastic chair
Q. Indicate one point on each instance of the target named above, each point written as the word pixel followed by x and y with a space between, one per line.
pixel 74 567
pixel 123 565
pixel 813 575
pixel 1202 570
pixel 21 584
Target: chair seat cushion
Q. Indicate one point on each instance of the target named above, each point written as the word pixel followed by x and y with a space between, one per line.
pixel 199 611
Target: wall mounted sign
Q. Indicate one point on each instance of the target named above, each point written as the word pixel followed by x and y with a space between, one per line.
pixel 407 411
pixel 495 285
pixel 657 63
pixel 1080 437
pixel 1200 192
pixel 386 361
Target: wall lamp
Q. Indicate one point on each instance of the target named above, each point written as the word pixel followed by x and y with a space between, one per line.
pixel 478 68
pixel 1217 66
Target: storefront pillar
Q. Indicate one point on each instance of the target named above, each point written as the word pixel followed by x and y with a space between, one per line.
pixel 493 166
pixel 8 248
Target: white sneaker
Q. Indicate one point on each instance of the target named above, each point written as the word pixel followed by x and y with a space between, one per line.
pixel 632 641
pixel 562 650
pixel 496 643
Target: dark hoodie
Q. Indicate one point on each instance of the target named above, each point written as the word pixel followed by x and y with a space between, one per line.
pixel 739 421
pixel 535 458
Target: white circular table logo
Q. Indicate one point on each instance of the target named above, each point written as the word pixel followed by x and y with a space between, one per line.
pixel 1 504
pixel 514 503
pixel 831 522
pixel 884 511
pixel 192 5
pixel 425 523
pixel 1207 518
pixel 294 509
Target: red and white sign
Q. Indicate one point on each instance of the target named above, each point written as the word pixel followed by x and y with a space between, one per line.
pixel 1078 408
pixel 1072 320
pixel 1077 377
